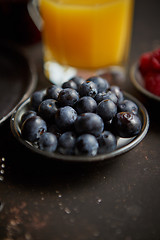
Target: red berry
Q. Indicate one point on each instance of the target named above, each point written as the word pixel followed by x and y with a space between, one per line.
pixel 156 54
pixel 155 60
pixel 144 63
pixel 152 82
pixel 155 63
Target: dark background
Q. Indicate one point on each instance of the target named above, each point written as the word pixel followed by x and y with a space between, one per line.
pixel 111 200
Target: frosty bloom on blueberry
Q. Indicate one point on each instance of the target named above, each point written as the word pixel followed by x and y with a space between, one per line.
pixel 87 145
pixel 86 104
pixel 89 123
pixel 88 88
pixel 107 109
pixel 65 118
pixel 101 84
pixel 33 128
pixel 47 142
pixel 127 124
pixel 68 97
pixel 53 92
pixel 82 117
pixel 47 109
pixel 67 143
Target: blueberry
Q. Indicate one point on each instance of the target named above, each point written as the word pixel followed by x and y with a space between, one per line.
pixel 70 84
pixel 86 145
pixel 67 143
pixel 68 97
pixel 65 118
pixel 81 117
pixel 47 109
pixel 106 95
pixel 126 124
pixel 107 109
pixel 89 123
pixel 112 96
pixel 27 115
pixel 33 128
pixel 128 106
pixel 36 99
pixel 100 97
pixel 88 88
pixel 86 104
pixel 52 92
pixel 107 142
pixel 52 127
pixel 78 80
pixel 47 142
pixel 117 91
pixel 102 84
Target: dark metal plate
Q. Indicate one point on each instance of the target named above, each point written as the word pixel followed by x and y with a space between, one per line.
pixel 17 79
pixel 123 144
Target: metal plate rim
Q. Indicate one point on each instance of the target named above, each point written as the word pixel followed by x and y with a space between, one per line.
pixel 32 80
pixel 15 128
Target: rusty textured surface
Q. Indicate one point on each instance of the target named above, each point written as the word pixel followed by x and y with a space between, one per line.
pixel 117 199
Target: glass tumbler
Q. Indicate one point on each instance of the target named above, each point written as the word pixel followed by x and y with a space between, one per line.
pixel 83 37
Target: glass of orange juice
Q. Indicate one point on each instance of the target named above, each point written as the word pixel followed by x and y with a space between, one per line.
pixel 84 37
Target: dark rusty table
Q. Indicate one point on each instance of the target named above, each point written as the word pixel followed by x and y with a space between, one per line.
pixel 115 199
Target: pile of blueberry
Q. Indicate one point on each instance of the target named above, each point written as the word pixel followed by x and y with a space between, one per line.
pixel 83 117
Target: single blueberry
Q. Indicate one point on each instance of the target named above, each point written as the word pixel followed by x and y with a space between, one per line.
pixel 100 97
pixel 27 115
pixel 112 96
pixel 107 142
pixel 70 84
pixel 65 118
pixel 47 109
pixel 78 80
pixel 36 99
pixel 66 143
pixel 86 145
pixel 89 123
pixel 86 104
pixel 102 84
pixel 128 106
pixel 47 142
pixel 33 128
pixel 88 88
pixel 52 92
pixel 68 97
pixel 107 109
pixel 126 124
pixel 117 91
pixel 106 95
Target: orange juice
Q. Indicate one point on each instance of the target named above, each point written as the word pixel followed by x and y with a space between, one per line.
pixel 88 34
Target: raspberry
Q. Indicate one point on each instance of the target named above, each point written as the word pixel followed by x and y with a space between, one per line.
pixel 156 54
pixel 155 60
pixel 149 66
pixel 149 61
pixel 144 63
pixel 152 82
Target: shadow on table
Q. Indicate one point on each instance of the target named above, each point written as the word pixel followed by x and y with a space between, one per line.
pixel 30 169
pixel 23 167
